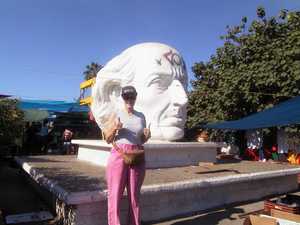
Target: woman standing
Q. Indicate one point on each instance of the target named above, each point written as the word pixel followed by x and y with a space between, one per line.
pixel 127 133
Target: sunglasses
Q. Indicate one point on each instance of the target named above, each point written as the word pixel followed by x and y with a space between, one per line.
pixel 128 97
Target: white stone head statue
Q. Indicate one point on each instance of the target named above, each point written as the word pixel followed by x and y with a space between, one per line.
pixel 158 73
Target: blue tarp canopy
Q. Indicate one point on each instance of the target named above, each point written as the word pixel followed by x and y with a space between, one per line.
pixel 285 113
pixel 53 106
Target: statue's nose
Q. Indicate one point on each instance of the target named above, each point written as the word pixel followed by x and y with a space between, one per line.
pixel 178 93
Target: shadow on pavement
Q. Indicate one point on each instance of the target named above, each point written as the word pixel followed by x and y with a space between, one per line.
pixel 212 218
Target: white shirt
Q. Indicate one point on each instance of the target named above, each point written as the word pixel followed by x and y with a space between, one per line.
pixel 133 127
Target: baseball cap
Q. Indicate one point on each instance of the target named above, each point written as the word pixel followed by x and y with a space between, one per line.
pixel 128 91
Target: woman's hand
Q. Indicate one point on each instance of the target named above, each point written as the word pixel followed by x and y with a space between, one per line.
pixel 118 124
pixel 146 134
pixel 110 131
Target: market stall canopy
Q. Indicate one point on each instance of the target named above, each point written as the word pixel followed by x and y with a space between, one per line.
pixel 34 115
pixel 53 106
pixel 283 114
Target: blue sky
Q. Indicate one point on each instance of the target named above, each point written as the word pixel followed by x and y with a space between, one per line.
pixel 46 44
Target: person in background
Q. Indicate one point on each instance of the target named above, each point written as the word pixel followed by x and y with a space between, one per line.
pixel 32 138
pixel 43 136
pixel 67 145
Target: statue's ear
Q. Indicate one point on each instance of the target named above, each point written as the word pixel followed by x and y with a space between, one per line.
pixel 106 98
pixel 112 91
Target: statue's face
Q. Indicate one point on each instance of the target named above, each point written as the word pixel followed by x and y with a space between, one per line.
pixel 161 82
pixel 158 73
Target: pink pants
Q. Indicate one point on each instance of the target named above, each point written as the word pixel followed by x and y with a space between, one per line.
pixel 119 175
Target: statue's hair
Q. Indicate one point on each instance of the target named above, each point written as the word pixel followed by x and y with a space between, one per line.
pixel 118 72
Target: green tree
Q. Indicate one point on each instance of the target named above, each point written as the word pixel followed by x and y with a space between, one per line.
pixel 92 70
pixel 11 121
pixel 258 66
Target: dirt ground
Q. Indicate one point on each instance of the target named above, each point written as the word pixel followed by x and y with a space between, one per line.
pixel 16 196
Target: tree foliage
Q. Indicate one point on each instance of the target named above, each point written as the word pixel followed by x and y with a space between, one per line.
pixel 258 66
pixel 11 121
pixel 92 70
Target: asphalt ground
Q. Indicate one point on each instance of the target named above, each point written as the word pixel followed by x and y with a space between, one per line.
pixel 229 215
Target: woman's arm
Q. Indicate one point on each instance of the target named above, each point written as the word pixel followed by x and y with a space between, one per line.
pixel 146 132
pixel 146 135
pixel 109 134
pixel 111 129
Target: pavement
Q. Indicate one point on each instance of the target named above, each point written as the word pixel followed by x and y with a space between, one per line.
pixel 230 215
pixel 16 196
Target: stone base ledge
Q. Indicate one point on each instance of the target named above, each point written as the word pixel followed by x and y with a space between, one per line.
pixel 159 154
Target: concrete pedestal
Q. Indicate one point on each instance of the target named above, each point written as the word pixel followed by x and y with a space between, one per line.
pixel 80 193
pixel 158 154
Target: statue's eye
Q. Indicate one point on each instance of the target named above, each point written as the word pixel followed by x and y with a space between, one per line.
pixel 159 83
